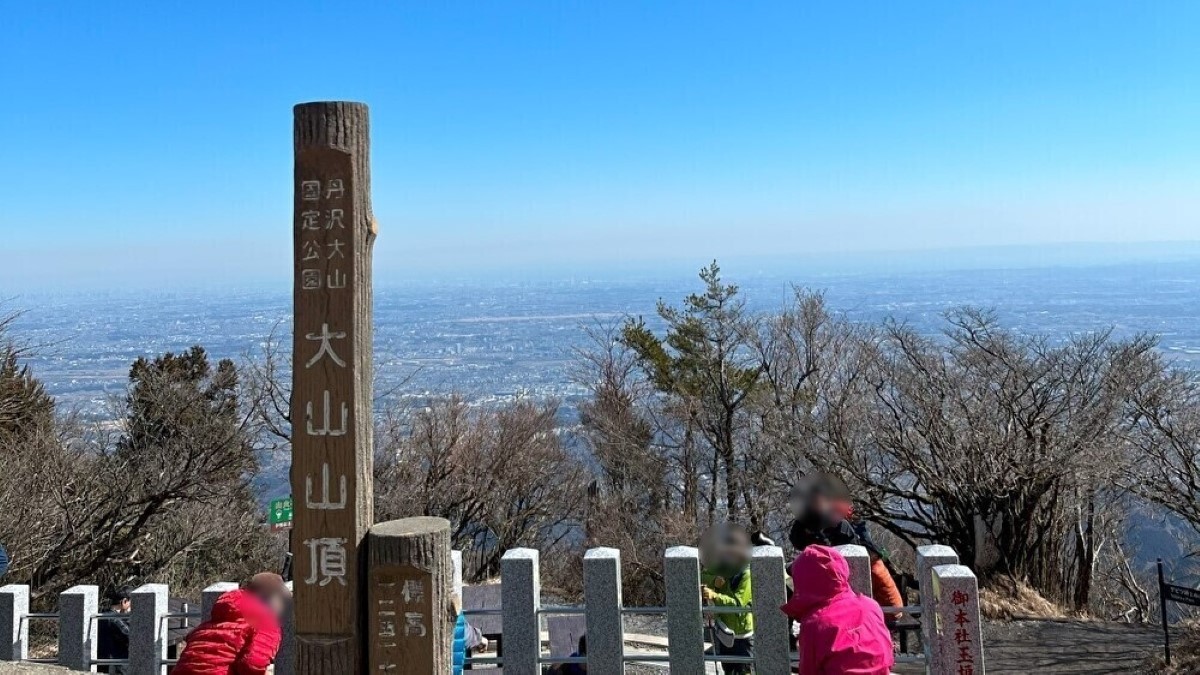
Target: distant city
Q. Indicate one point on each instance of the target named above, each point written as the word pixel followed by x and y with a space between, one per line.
pixel 492 342
pixel 497 341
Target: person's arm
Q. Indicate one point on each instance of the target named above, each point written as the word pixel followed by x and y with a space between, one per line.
pixel 260 649
pixel 120 634
pixel 884 590
pixel 812 647
pixel 740 597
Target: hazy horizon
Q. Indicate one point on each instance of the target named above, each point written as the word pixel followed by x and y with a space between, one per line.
pixel 178 274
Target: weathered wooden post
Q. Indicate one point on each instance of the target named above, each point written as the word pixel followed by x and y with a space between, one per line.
pixel 331 384
pixel 411 583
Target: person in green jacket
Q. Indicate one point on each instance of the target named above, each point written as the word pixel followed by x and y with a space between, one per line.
pixel 725 579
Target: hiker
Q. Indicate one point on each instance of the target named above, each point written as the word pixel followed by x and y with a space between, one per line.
pixel 824 515
pixel 573 668
pixel 841 632
pixel 112 640
pixel 243 635
pixel 725 579
pixel 760 538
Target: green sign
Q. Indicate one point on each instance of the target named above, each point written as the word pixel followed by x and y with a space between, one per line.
pixel 280 514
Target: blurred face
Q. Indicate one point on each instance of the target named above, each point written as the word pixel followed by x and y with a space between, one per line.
pixel 277 603
pixel 798 504
pixel 822 504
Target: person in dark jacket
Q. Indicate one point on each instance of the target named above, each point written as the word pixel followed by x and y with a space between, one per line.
pixel 113 634
pixel 244 633
pixel 824 516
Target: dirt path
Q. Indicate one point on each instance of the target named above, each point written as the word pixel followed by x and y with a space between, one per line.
pixel 1069 647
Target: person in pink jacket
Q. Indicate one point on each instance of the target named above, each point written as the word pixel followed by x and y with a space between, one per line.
pixel 841 631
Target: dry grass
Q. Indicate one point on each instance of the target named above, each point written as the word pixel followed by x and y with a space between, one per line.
pixel 1185 650
pixel 1008 599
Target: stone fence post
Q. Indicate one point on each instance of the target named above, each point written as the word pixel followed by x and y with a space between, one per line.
pixel 771 627
pixel 681 567
pixel 77 629
pixel 14 626
pixel 520 600
pixel 929 557
pixel 860 567
pixel 210 595
pixel 602 603
pixel 147 630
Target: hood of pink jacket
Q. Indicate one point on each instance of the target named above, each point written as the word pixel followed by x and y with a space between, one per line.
pixel 819 574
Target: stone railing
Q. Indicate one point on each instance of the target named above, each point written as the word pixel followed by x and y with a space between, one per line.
pixel 949 613
pixel 951 630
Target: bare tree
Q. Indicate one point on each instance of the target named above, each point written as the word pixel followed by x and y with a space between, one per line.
pixel 1164 435
pixel 502 476
pixel 165 492
pixel 640 468
pixel 990 441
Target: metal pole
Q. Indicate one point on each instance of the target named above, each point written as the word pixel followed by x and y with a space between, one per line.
pixel 1162 601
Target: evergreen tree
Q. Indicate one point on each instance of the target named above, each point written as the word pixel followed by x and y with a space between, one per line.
pixel 704 361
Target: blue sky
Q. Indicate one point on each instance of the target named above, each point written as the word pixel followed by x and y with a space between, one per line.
pixel 156 140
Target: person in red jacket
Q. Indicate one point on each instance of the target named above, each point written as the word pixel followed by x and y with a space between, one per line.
pixel 841 632
pixel 243 635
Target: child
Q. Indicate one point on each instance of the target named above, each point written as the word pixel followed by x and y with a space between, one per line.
pixel 824 515
pixel 841 632
pixel 243 635
pixel 725 554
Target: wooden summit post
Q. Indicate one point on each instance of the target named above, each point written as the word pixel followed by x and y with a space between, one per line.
pixel 331 385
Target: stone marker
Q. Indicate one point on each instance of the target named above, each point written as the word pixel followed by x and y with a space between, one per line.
pixel 959 633
pixel 409 608
pixel 333 235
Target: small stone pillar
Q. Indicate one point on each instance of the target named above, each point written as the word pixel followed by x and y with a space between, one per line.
pixel 860 567
pixel 77 629
pixel 959 630
pixel 685 635
pixel 520 600
pixel 457 561
pixel 602 599
pixel 929 557
pixel 147 630
pixel 210 595
pixel 14 627
pixel 771 627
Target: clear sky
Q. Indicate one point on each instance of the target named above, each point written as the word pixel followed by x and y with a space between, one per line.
pixel 547 135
